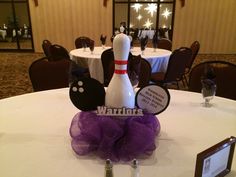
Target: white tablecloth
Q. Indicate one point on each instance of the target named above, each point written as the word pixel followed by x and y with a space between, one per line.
pixel 144 33
pixel 3 33
pixel 158 59
pixel 92 61
pixel 35 140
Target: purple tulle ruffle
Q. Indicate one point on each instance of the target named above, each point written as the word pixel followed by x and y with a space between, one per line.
pixel 119 139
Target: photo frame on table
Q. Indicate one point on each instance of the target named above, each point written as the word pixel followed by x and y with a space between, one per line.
pixel 216 160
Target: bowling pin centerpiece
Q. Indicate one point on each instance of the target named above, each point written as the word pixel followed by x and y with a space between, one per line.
pixel 120 92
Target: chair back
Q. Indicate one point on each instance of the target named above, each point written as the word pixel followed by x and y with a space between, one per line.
pixel 195 46
pixel 58 52
pixel 46 47
pixel 80 40
pixel 45 75
pixel 225 79
pixel 142 67
pixel 108 65
pixel 177 63
pixel 164 44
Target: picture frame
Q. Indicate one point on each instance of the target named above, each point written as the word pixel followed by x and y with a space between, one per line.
pixel 216 160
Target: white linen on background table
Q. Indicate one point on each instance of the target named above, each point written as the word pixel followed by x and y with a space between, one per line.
pixel 3 33
pixel 158 59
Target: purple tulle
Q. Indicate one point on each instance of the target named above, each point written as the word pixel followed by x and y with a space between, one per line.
pixel 119 139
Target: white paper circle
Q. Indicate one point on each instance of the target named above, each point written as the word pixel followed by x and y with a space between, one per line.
pixel 153 99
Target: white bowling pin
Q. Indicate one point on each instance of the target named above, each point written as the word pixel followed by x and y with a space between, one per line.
pixel 120 92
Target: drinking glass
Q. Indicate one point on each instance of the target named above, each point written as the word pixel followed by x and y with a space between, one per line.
pixel 84 46
pixel 208 92
pixel 154 47
pixel 142 50
pixel 103 41
pixel 91 47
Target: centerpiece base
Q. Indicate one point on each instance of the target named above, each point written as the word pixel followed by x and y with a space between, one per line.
pixel 117 138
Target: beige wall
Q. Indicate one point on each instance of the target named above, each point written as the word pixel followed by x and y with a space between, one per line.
pixel 62 21
pixel 212 22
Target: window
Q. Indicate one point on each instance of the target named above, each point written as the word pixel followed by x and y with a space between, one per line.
pixel 15 26
pixel 144 17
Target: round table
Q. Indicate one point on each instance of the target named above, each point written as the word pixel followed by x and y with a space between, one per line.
pixel 35 140
pixel 158 59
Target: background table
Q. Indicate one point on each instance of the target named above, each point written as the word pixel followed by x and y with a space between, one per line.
pixel 92 61
pixel 158 59
pixel 35 140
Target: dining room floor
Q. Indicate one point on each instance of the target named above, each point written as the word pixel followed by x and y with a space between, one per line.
pixel 14 77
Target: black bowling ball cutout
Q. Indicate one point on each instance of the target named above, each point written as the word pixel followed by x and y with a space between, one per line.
pixel 87 94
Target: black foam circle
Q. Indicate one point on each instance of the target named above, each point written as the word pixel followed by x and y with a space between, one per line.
pixel 87 93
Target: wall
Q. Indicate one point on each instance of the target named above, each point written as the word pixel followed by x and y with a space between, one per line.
pixel 212 22
pixel 62 21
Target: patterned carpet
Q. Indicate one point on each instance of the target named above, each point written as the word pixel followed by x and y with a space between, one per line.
pixel 14 78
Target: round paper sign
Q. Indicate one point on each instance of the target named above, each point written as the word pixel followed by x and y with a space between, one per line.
pixel 153 99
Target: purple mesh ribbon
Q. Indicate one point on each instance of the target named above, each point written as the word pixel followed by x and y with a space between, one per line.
pixel 118 139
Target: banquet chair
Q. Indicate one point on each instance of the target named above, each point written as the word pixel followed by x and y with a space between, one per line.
pixel 225 79
pixel 142 67
pixel 45 75
pixel 175 69
pixel 58 52
pixel 80 40
pixel 195 46
pixel 76 71
pixel 108 65
pixel 164 43
pixel 46 48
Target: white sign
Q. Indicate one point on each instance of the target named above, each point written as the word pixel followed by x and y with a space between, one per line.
pixel 153 99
